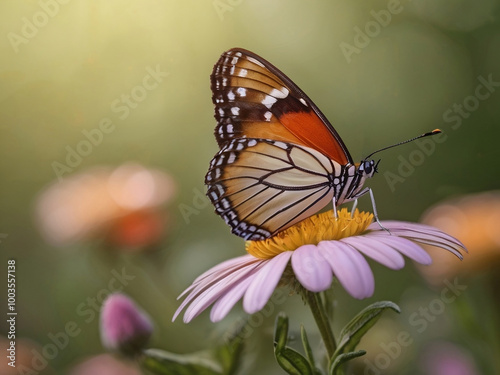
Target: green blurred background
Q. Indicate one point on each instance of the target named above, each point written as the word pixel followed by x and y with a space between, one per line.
pixel 63 76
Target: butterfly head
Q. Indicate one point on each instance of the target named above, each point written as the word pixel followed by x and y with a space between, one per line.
pixel 367 168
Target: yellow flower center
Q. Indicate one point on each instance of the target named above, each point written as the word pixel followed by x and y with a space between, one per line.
pixel 319 227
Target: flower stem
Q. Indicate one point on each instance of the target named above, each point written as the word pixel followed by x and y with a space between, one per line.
pixel 322 321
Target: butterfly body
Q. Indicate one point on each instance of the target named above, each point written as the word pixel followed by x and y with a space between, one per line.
pixel 280 160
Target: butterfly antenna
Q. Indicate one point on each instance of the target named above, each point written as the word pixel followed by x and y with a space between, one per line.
pixel 434 132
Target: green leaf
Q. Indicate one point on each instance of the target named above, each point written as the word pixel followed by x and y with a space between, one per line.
pixel 293 362
pixel 280 331
pixel 308 350
pixel 343 358
pixel 165 363
pixel 289 360
pixel 307 347
pixel 360 324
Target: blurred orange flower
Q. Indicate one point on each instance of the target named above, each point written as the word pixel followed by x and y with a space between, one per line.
pixel 106 364
pixel 121 205
pixel 473 219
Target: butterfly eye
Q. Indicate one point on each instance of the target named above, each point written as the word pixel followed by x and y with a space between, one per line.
pixel 368 167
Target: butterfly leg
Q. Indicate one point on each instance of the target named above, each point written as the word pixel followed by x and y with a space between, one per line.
pixel 375 212
pixel 334 208
pixel 354 205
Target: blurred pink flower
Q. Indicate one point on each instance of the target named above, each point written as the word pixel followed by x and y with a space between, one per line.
pixel 27 356
pixel 124 327
pixel 317 249
pixel 445 358
pixel 106 364
pixel 475 219
pixel 122 205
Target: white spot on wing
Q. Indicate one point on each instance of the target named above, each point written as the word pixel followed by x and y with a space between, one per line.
pixel 252 143
pixel 241 91
pixel 232 158
pixel 269 101
pixel 230 95
pixel 251 59
pixel 235 111
pixel 280 94
pixel 220 189
pixel 303 101
pixel 268 116
pixel 280 145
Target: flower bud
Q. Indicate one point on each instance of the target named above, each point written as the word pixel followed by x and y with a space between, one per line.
pixel 124 326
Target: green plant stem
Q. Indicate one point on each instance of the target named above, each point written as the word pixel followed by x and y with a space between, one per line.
pixel 321 318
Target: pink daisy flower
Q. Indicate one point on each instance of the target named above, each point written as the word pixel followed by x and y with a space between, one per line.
pixel 312 253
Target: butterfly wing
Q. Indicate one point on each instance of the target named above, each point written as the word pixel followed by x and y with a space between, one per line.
pixel 261 187
pixel 254 99
pixel 278 151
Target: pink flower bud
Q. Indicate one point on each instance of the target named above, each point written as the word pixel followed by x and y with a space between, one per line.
pixel 124 326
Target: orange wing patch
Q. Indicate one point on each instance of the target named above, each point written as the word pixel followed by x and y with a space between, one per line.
pixel 312 132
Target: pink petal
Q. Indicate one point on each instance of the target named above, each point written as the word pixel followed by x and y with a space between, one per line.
pixel 311 269
pixel 442 245
pixel 379 252
pixel 228 264
pixel 225 303
pixel 220 270
pixel 403 245
pixel 262 287
pixel 350 268
pixel 207 284
pixel 419 231
pixel 211 294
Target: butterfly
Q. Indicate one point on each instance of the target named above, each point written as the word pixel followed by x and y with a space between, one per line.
pixel 280 159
